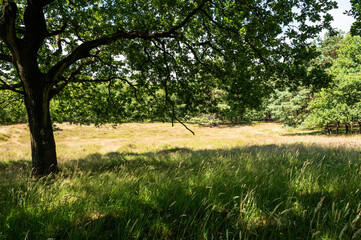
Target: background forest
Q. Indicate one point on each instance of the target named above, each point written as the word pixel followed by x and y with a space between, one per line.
pixel 327 94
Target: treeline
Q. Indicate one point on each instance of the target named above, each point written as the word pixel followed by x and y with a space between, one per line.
pixel 336 107
pixel 325 94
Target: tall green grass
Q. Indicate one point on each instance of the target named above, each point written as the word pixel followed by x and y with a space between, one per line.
pixel 261 192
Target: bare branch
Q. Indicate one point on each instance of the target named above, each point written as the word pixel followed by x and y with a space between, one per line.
pixel 176 118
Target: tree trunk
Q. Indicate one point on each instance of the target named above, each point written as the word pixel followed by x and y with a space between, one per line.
pixel 328 130
pixel 43 148
pixel 347 128
pixel 337 127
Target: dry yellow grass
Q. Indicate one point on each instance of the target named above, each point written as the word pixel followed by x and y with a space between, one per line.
pixel 261 179
pixel 74 141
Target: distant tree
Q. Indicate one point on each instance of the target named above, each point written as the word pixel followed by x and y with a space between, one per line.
pixel 289 104
pixel 318 72
pixel 170 45
pixel 340 103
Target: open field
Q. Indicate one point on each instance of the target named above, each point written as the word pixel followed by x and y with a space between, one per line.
pixel 157 182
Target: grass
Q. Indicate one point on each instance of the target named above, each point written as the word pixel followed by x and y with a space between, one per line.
pixel 151 181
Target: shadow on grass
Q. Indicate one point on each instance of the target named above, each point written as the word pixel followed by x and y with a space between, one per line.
pixel 258 192
pixel 225 125
pixel 311 133
pixel 18 165
pixel 341 133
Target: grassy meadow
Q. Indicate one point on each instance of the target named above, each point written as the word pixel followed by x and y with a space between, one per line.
pixel 154 181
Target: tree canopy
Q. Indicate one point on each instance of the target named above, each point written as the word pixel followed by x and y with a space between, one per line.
pixel 172 50
pixel 340 103
pixel 356 13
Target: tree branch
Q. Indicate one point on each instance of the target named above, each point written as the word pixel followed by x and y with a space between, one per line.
pixel 209 43
pixel 7 24
pixel 35 25
pixel 196 57
pixel 176 118
pixel 69 79
pixel 83 51
pixel 260 56
pixel 46 2
pixel 109 80
pixel 189 16
pixel 57 32
pixel 98 80
pixel 13 87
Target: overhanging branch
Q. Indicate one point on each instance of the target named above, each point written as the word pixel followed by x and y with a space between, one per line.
pixel 46 2
pixel 11 87
pixel 67 80
pixel 259 54
pixel 83 51
pixel 189 16
pixel 57 32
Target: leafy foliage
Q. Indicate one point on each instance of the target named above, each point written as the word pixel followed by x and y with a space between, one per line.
pixel 341 102
pixel 290 106
pixel 356 13
pixel 185 48
pixel 12 109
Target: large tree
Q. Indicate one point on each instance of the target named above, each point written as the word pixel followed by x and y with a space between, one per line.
pixel 340 103
pixel 173 45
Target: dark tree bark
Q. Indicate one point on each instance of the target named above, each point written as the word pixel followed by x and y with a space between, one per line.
pixel 43 148
pixel 347 128
pixel 328 130
pixel 36 90
pixel 337 127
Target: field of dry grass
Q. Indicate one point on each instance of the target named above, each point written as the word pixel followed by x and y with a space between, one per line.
pixel 74 141
pixel 154 181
